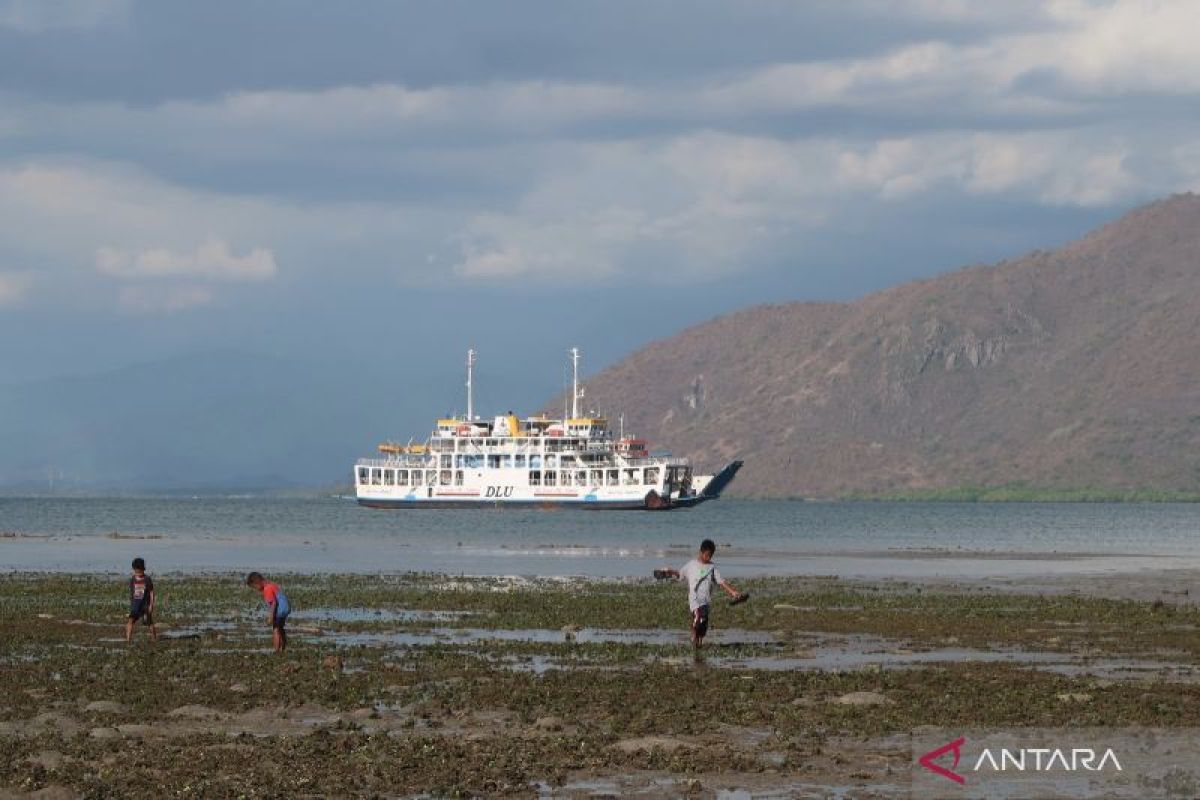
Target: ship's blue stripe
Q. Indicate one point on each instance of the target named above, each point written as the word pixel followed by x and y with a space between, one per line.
pixel 411 502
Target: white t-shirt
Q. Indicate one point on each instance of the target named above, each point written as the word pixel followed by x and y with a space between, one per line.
pixel 700 580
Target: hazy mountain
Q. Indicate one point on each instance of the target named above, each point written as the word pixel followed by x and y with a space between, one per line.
pixel 220 421
pixel 1078 367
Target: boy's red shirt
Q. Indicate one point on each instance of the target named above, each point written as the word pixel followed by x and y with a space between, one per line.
pixel 270 592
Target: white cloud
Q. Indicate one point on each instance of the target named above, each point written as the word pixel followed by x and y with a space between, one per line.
pixel 696 207
pixel 13 287
pixel 88 220
pixel 212 260
pixel 157 299
pixel 1121 46
pixel 1051 168
pixel 1080 52
pixel 1076 51
pixel 703 206
pixel 603 181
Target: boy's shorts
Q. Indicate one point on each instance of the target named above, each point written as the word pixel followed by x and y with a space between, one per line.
pixel 278 621
pixel 141 611
pixel 700 620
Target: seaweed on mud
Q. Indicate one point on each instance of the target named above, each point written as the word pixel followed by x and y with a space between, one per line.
pixel 456 718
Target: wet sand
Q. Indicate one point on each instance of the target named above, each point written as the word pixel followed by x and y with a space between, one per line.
pixel 419 684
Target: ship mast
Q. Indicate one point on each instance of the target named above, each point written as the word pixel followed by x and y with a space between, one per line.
pixel 470 387
pixel 575 392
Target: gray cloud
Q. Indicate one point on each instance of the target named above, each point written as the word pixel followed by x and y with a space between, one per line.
pixel 40 16
pixel 161 158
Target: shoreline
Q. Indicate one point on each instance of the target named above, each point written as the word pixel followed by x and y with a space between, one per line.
pixel 182 554
pixel 997 494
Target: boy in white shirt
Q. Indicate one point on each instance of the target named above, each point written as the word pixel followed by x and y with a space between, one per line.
pixel 700 574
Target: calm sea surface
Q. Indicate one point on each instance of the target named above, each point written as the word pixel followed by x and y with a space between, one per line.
pixel 849 539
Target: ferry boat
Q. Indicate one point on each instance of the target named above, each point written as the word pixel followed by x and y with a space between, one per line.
pixel 573 462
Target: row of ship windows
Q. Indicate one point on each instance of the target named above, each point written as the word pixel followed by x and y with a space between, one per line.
pixel 449 445
pixel 536 477
pixel 519 461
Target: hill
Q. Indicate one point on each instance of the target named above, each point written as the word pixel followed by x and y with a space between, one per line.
pixel 1070 368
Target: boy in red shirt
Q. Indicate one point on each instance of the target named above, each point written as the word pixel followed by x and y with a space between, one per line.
pixel 141 601
pixel 277 602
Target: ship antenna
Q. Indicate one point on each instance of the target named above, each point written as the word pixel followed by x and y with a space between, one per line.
pixel 470 387
pixel 574 383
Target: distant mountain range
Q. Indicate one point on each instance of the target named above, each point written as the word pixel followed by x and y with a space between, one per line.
pixel 1077 368
pixel 1074 369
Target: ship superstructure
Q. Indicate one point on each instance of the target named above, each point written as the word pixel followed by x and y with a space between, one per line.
pixel 576 461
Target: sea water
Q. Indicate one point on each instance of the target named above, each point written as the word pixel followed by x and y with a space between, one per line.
pixel 868 539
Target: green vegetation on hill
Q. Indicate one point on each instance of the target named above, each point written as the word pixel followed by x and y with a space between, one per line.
pixel 1024 493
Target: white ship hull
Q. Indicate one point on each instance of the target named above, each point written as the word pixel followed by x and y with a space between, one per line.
pixel 501 490
pixel 507 490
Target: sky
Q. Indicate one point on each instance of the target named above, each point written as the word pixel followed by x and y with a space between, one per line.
pixel 388 183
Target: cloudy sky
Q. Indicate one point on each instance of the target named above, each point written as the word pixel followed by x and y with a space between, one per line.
pixel 391 182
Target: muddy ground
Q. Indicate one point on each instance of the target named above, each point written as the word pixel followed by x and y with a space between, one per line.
pixel 434 685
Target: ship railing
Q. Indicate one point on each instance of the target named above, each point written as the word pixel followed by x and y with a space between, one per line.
pixel 658 461
pixel 416 461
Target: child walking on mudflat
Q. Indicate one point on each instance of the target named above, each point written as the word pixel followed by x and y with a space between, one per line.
pixel 278 605
pixel 700 574
pixel 141 601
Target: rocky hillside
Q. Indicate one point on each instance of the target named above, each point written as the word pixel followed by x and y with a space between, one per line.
pixel 1078 367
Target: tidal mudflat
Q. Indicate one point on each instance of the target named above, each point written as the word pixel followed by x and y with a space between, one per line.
pixel 422 684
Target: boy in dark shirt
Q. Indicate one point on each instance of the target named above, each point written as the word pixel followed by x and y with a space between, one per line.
pixel 141 601
pixel 278 604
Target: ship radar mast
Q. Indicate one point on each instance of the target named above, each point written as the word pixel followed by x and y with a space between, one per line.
pixel 576 391
pixel 470 387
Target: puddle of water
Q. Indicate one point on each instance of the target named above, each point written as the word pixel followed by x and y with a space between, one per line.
pixel 331 614
pixel 536 664
pixel 444 635
pixel 200 629
pixel 818 652
pixel 852 653
pixel 823 790
pixel 669 787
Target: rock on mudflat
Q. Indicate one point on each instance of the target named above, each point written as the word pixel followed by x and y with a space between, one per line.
pixel 47 759
pixel 105 707
pixel 104 733
pixel 862 699
pixel 53 721
pixel 1074 697
pixel 647 743
pixel 196 712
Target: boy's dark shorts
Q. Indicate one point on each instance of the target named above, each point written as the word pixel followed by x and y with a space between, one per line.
pixel 141 611
pixel 700 620
pixel 277 621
